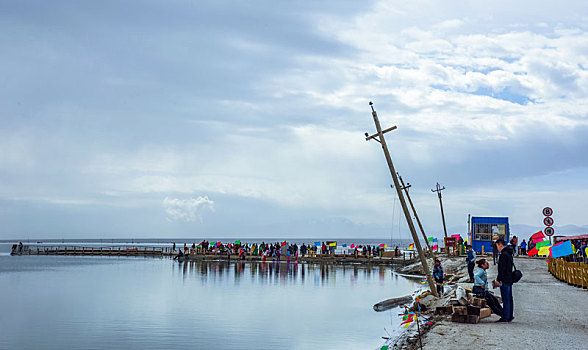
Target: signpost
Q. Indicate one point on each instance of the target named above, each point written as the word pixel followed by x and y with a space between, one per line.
pixel 450 242
pixel 548 221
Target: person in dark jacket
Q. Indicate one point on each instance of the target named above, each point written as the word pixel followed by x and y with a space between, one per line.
pixel 438 276
pixel 471 261
pixel 504 280
pixel 494 250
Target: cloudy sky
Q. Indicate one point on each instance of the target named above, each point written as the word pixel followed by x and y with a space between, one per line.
pixel 247 119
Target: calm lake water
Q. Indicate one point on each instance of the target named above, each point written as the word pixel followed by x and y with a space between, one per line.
pixel 67 302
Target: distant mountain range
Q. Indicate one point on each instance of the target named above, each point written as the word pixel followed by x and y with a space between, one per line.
pixel 338 227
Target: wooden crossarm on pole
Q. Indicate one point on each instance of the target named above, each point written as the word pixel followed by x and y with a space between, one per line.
pixel 383 132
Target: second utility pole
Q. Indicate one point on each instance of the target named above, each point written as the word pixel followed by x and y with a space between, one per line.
pixel 405 188
pixel 438 190
pixel 379 136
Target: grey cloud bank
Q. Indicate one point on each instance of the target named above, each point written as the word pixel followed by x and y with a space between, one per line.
pixel 109 110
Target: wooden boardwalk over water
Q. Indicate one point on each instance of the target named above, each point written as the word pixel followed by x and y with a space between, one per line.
pixel 146 251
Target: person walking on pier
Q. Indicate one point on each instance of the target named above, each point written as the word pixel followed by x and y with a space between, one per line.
pixel 471 260
pixel 504 280
pixel 438 276
pixel 494 249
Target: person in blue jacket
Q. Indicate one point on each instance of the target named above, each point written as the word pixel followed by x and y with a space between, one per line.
pixel 438 276
pixel 471 260
pixel 480 288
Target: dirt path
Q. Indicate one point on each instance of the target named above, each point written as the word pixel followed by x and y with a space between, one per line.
pixel 549 314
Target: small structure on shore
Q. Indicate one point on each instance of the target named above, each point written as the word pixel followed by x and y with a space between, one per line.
pixel 485 229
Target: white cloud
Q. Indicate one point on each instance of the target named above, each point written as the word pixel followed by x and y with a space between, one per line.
pixel 248 114
pixel 186 209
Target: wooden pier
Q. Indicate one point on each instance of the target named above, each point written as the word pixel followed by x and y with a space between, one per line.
pixel 193 255
pixel 92 251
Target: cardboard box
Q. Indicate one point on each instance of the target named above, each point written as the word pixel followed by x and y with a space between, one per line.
pixel 444 310
pixel 474 310
pixel 459 318
pixel 473 319
pixel 465 318
pixel 479 302
pixel 485 312
pixel 460 310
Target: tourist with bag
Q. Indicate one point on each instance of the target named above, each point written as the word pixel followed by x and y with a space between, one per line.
pixel 504 280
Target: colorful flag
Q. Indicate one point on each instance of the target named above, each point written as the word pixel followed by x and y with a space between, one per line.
pixel 430 239
pixel 411 246
pixel 237 242
pixel 542 244
pixel 435 247
pixel 538 235
pixel 344 245
pixel 318 244
pixel 332 244
pixel 381 245
pixel 562 249
pixel 532 252
pixel 352 246
pixel 456 236
pixel 537 240
pixel 544 250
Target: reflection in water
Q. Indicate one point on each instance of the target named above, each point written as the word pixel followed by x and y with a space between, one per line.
pixel 103 303
pixel 279 273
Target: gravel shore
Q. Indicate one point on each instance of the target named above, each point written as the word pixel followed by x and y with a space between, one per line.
pixel 549 314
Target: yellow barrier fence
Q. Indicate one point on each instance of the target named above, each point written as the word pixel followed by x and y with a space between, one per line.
pixel 574 273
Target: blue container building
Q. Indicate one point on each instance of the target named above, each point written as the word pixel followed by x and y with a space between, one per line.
pixel 485 229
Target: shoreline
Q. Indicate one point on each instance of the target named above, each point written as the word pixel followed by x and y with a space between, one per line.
pixel 548 312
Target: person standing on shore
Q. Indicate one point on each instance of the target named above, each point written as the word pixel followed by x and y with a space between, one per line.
pixel 504 280
pixel 513 245
pixel 438 276
pixel 494 250
pixel 524 248
pixel 471 260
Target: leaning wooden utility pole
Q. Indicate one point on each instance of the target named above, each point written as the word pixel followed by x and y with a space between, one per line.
pixel 438 190
pixel 405 188
pixel 379 136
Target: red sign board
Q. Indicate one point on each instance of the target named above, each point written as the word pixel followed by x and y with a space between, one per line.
pixel 548 221
pixel 450 242
pixel 547 211
pixel 549 231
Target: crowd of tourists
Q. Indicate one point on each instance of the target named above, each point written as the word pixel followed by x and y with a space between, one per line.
pixel 579 246
pixel 278 250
